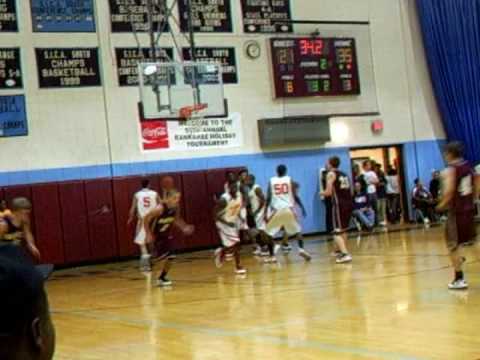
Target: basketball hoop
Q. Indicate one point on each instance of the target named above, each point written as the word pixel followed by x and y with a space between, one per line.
pixel 187 112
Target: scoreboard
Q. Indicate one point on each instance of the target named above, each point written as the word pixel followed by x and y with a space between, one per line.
pixel 313 66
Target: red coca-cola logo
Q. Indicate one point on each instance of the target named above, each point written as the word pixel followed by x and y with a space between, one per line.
pixel 155 135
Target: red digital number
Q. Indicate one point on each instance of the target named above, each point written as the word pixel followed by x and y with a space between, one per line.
pixel 281 189
pixel 311 47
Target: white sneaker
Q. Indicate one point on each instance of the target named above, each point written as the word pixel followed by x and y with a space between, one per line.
pixel 304 254
pixel 270 260
pixel 345 258
pixel 219 258
pixel 458 285
pixel 164 282
pixel 426 221
pixel 240 271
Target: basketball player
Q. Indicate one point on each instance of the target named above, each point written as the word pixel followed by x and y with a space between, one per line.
pixel 143 201
pixel 228 219
pixel 339 190
pixel 257 212
pixel 281 200
pixel 459 192
pixel 15 228
pixel 158 225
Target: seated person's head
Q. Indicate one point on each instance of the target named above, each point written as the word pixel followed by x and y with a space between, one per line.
pixel 418 183
pixel 21 207
pixel 26 329
pixel 3 205
pixel 358 187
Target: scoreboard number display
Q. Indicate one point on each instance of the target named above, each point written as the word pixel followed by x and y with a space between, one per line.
pixel 306 66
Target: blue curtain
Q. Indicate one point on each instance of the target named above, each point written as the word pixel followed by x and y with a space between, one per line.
pixel 451 33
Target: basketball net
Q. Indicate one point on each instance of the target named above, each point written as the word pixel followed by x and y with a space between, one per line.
pixel 188 112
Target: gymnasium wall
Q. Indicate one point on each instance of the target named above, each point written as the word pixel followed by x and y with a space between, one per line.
pixel 90 133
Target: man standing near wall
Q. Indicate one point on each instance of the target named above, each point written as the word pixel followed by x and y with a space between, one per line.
pixel 371 179
pixel 339 190
pixel 460 190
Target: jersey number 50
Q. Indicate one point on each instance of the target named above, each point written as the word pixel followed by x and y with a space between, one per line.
pixel 281 189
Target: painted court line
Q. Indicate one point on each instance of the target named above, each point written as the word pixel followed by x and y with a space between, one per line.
pixel 274 340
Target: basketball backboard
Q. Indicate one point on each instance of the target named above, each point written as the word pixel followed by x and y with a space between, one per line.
pixel 168 89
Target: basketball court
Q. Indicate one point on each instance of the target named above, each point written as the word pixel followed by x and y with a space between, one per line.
pixel 391 303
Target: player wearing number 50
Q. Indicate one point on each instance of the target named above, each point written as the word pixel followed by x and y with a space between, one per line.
pixel 143 201
pixel 282 198
pixel 339 190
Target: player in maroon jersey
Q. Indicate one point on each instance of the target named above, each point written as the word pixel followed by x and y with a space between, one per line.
pixel 339 190
pixel 158 225
pixel 459 193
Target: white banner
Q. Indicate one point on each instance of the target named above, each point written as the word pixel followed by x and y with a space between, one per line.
pixel 201 134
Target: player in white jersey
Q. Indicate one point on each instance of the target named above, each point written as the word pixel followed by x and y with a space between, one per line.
pixel 257 209
pixel 143 202
pixel 281 200
pixel 228 219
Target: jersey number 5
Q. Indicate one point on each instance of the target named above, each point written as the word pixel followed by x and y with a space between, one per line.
pixel 147 202
pixel 281 189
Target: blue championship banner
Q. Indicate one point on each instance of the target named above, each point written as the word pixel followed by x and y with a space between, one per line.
pixel 13 116
pixel 63 15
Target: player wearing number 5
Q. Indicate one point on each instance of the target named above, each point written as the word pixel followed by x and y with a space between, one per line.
pixel 143 201
pixel 281 200
pixel 339 190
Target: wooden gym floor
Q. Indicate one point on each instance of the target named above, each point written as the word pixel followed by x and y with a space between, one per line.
pixel 391 303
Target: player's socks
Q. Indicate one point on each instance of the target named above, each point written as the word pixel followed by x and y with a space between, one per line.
pixel 145 263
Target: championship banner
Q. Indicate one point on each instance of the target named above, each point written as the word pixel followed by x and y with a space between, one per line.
pixel 13 116
pixel 201 134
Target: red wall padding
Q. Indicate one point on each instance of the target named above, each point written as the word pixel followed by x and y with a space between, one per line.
pixel 74 222
pixel 78 221
pixel 48 233
pixel 101 219
pixel 198 211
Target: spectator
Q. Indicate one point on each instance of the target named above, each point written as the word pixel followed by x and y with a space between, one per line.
pixel 435 185
pixel 423 202
pixel 362 209
pixel 393 195
pixel 371 179
pixel 381 196
pixel 358 176
pixel 26 329
pixel 4 210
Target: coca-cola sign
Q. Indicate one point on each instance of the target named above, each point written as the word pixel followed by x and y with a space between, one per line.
pixel 155 135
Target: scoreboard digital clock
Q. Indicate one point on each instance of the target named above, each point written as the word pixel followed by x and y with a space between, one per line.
pixel 305 67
